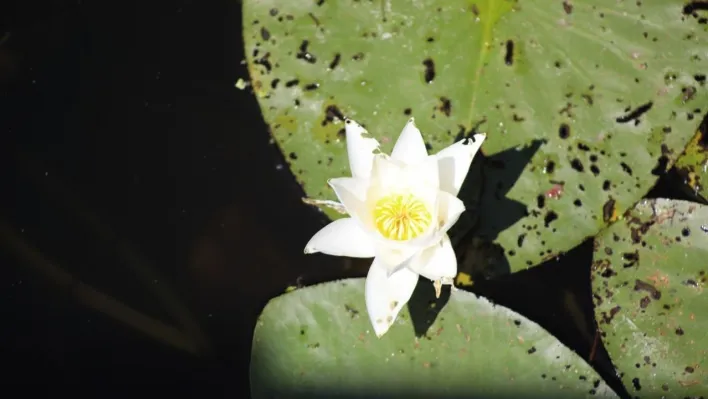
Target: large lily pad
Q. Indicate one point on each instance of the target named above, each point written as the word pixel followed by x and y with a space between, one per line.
pixel 602 83
pixel 317 342
pixel 649 274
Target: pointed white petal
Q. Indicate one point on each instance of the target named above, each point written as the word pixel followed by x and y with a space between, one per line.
pixel 436 262
pixel 426 172
pixel 387 172
pixel 343 237
pixel 454 162
pixel 352 193
pixel 449 210
pixel 360 149
pixel 392 175
pixel 410 147
pixel 386 295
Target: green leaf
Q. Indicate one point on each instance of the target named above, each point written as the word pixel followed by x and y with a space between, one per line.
pixel 649 272
pixel 317 342
pixel 602 84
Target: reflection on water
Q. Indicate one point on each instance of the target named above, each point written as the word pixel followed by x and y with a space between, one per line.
pixel 142 200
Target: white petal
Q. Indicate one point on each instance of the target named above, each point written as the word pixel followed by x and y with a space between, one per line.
pixel 360 149
pixel 454 162
pixel 449 210
pixel 343 237
pixel 393 257
pixel 391 174
pixel 387 172
pixel 352 194
pixel 410 147
pixel 436 262
pixel 386 295
pixel 426 173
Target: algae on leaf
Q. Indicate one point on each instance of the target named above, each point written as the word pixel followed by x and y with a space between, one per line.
pixel 601 84
pixel 317 342
pixel 648 280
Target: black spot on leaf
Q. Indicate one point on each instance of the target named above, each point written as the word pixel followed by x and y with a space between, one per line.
pixel 265 35
pixel 429 74
pixel 631 258
pixel 549 218
pixel 304 54
pixel 687 93
pixel 332 112
pixel 541 201
pixel 577 165
pixel 509 56
pixel 311 86
pixel 635 113
pixel 445 106
pixel 335 61
pixel 626 168
pixel 265 62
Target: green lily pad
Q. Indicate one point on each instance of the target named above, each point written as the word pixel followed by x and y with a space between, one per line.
pixel 317 342
pixel 649 273
pixel 602 84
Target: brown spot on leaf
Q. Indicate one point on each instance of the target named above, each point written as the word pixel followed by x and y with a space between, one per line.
pixel 567 7
pixel 607 318
pixel 608 210
pixel 445 106
pixel 640 285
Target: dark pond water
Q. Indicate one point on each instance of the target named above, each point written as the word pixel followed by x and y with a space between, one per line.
pixel 132 164
pixel 139 186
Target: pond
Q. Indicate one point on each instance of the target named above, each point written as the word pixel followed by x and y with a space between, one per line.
pixel 147 216
pixel 135 166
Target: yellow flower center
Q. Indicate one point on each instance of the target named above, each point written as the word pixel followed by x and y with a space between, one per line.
pixel 401 217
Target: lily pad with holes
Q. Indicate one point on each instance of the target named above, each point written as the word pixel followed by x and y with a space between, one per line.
pixel 317 342
pixel 649 275
pixel 597 89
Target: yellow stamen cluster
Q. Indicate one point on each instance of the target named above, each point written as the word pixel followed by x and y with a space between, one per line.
pixel 401 217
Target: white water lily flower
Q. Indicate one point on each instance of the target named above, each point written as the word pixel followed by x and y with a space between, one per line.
pixel 400 207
